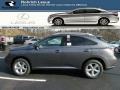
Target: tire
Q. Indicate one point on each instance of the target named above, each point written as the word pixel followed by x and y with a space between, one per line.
pixel 3 47
pixel 93 71
pixel 58 22
pixel 103 21
pixel 21 67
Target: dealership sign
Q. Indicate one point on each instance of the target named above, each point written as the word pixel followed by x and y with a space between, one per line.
pixel 24 18
pixel 55 5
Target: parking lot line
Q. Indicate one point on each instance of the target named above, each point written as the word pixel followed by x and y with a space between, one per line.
pixel 2 57
pixel 23 79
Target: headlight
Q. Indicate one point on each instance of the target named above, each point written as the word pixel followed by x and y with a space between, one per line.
pixel 50 16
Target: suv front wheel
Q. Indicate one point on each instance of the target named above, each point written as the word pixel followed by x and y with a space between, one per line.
pixel 93 69
pixel 21 67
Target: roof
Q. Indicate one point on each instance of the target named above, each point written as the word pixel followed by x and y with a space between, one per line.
pixel 74 33
pixel 90 8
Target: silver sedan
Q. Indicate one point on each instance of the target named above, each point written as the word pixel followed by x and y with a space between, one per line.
pixel 84 16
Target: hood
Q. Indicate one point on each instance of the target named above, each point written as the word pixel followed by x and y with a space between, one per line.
pixel 25 47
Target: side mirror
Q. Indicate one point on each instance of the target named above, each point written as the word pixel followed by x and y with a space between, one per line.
pixel 69 44
pixel 37 47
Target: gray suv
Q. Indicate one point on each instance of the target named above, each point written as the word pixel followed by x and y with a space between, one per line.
pixel 63 51
pixel 84 16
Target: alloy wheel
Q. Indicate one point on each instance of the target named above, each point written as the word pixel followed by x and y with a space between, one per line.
pixel 58 22
pixel 93 69
pixel 21 67
pixel 103 21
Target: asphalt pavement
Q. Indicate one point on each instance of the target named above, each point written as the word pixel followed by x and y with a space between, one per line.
pixel 58 79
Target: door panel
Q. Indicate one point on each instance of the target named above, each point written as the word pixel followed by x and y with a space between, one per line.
pixel 75 19
pixel 74 56
pixel 91 18
pixel 76 53
pixel 48 53
pixel 46 57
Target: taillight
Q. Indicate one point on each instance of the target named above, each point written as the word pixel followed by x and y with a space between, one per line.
pixel 115 14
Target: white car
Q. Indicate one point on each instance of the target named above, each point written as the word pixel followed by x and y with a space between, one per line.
pixel 30 41
pixel 115 43
pixel 84 16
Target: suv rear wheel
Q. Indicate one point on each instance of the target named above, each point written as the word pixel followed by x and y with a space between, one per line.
pixel 93 69
pixel 21 67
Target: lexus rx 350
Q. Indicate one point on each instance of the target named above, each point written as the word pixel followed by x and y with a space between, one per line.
pixel 63 51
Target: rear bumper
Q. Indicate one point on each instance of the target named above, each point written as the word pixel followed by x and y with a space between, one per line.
pixel 114 19
pixel 111 63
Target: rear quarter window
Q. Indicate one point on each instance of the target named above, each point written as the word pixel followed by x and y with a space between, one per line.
pixel 77 41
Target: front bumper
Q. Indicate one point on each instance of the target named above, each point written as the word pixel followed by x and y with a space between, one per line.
pixel 8 60
pixel 50 20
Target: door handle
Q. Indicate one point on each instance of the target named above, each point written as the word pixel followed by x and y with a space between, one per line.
pixel 57 51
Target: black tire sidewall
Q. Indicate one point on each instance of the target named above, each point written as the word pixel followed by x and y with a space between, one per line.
pixel 99 22
pixel 93 61
pixel 28 67
pixel 56 24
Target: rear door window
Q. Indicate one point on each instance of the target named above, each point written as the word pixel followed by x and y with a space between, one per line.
pixel 92 11
pixel 79 11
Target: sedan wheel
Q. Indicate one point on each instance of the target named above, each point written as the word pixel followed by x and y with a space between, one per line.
pixel 103 21
pixel 93 69
pixel 58 22
pixel 21 67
